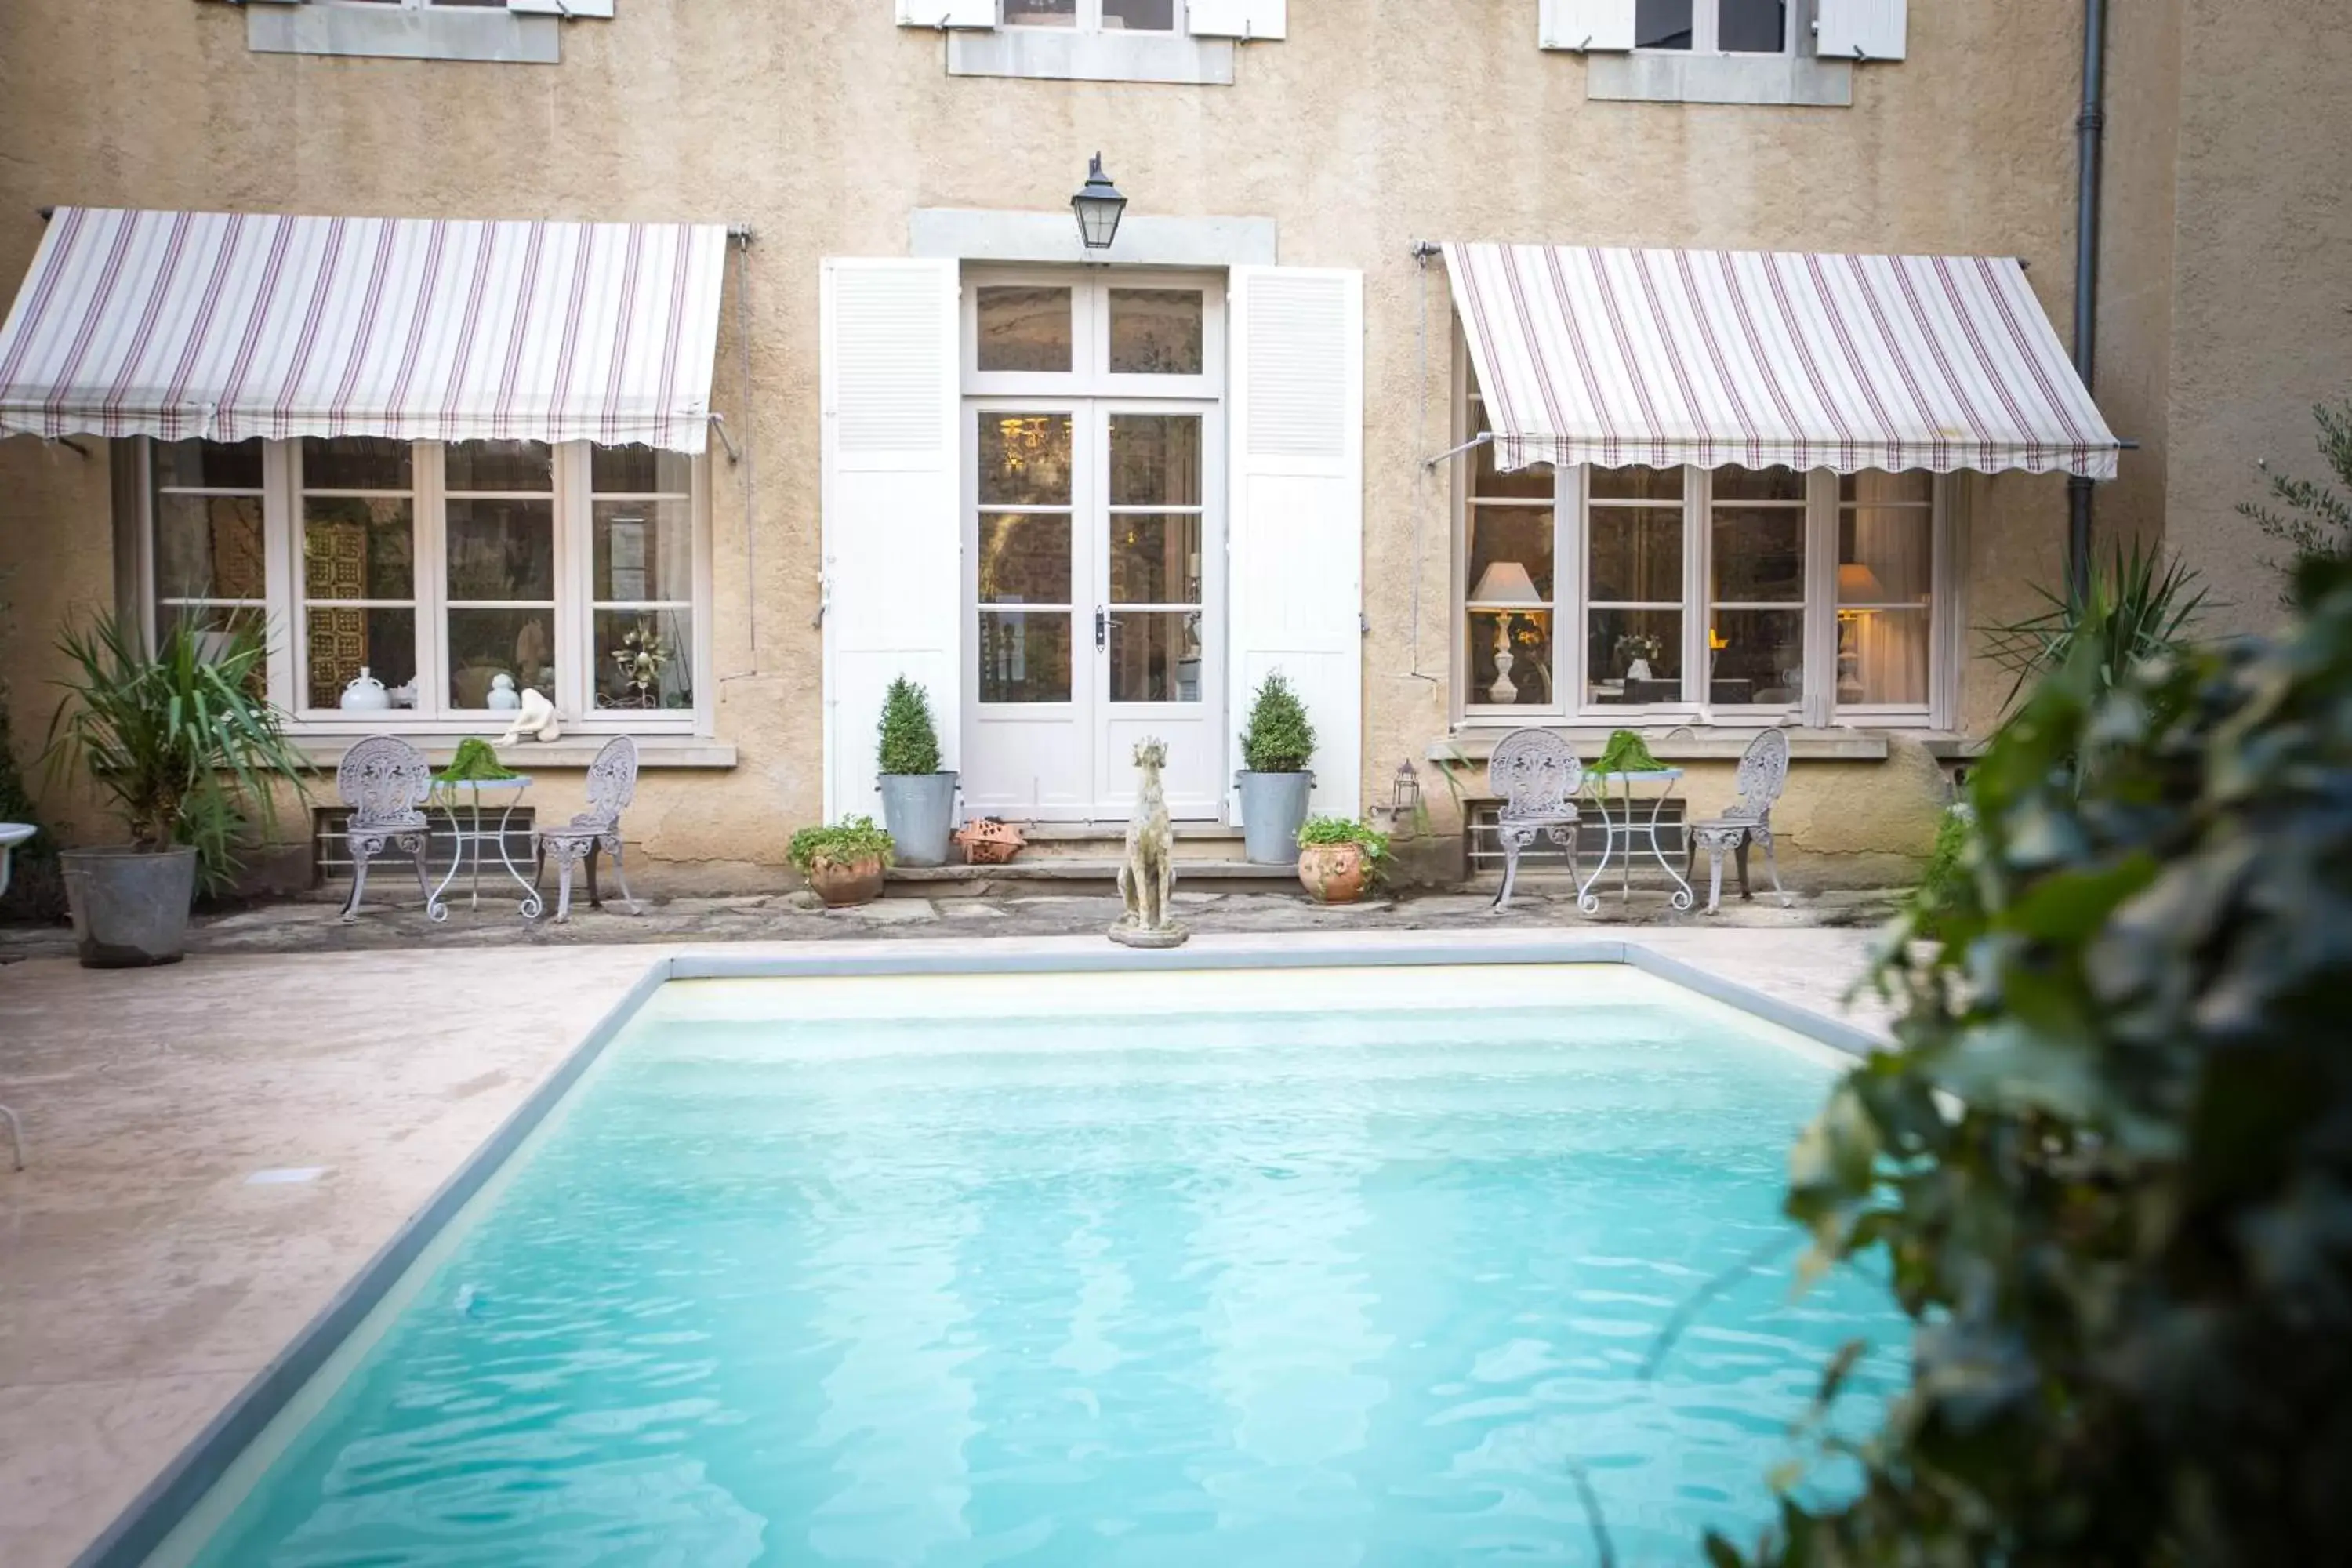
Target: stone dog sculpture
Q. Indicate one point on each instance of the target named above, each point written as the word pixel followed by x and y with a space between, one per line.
pixel 1147 879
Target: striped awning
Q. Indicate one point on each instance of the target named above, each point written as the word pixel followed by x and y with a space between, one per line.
pixel 1714 357
pixel 229 325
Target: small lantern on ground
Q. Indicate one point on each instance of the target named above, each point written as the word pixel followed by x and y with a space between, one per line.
pixel 1099 207
pixel 1404 798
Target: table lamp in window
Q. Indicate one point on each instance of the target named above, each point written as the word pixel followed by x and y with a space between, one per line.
pixel 1859 593
pixel 1504 583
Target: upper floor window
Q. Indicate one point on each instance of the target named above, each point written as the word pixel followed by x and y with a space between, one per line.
pixel 1713 27
pixel 1094 16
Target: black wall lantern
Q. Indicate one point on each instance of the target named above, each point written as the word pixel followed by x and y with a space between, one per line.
pixel 1099 207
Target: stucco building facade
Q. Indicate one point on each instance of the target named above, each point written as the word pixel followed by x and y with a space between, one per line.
pixel 830 138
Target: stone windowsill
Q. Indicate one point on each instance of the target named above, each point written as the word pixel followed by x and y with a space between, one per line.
pixel 395 32
pixel 1055 54
pixel 1715 743
pixel 1779 81
pixel 574 751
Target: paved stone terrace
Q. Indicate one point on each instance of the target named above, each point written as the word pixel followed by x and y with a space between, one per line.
pixel 144 1277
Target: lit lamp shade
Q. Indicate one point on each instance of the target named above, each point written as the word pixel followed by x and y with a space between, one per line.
pixel 1506 583
pixel 1858 585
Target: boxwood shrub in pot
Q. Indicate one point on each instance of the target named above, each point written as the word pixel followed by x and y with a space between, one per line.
pixel 918 795
pixel 1277 747
pixel 186 748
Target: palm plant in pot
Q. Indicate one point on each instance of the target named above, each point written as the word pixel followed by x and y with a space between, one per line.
pixel 1276 746
pixel 918 795
pixel 188 751
pixel 844 863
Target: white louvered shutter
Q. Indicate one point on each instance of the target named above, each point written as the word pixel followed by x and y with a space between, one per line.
pixel 1586 25
pixel 890 508
pixel 1296 531
pixel 1238 18
pixel 1861 29
pixel 597 8
pixel 947 13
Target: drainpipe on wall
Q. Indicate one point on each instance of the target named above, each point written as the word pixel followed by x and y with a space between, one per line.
pixel 2090 127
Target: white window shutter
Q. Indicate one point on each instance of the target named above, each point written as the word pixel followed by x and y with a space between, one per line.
pixel 1593 25
pixel 1296 528
pixel 1238 18
pixel 889 504
pixel 945 14
pixel 1860 29
pixel 601 9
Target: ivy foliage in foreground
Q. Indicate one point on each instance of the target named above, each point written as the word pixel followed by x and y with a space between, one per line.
pixel 2128 1247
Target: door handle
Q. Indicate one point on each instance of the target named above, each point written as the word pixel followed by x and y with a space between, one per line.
pixel 1102 629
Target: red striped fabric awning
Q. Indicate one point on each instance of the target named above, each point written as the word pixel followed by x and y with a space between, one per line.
pixel 1714 357
pixel 229 325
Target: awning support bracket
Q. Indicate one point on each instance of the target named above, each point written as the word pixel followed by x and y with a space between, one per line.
pixel 1481 439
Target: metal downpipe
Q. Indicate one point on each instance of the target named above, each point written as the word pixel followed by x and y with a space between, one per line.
pixel 2090 129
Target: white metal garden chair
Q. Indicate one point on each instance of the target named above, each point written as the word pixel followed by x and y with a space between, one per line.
pixel 1538 774
pixel 612 785
pixel 1763 774
pixel 386 781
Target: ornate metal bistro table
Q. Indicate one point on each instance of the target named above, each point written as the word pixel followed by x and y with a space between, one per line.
pixel 471 835
pixel 1624 828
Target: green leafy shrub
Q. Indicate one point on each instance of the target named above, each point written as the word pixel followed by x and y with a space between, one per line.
pixel 910 740
pixel 2108 1165
pixel 186 744
pixel 845 842
pixel 2315 521
pixel 1279 739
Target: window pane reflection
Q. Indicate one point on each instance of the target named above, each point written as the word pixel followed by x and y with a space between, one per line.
pixel 1024 655
pixel 1752 26
pixel 1155 459
pixel 1024 328
pixel 1025 459
pixel 1757 657
pixel 487 644
pixel 1148 16
pixel 1155 558
pixel 1637 556
pixel 358 548
pixel 1635 657
pixel 1156 332
pixel 501 550
pixel 339 643
pixel 1525 680
pixel 1662 23
pixel 1024 559
pixel 209 547
pixel 641 550
pixel 1155 656
pixel 644 660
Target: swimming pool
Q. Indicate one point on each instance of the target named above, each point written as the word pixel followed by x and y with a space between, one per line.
pixel 1285 1267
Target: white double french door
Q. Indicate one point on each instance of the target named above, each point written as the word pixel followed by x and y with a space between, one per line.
pixel 1094 593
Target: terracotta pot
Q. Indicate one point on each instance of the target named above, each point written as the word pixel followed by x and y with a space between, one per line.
pixel 1332 873
pixel 843 883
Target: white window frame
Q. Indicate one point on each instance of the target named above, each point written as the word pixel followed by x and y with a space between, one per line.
pixel 1572 511
pixel 573 633
pixel 1091 20
pixel 1706 34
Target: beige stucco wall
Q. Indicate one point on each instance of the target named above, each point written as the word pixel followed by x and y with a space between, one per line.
pixel 1379 122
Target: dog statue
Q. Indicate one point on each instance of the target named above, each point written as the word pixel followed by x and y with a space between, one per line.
pixel 1147 879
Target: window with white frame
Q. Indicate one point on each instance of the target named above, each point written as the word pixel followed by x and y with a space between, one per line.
pixel 457 574
pixel 1095 16
pixel 1714 26
pixel 1734 596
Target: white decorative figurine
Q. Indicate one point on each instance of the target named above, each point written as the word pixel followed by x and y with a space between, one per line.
pixel 1148 881
pixel 503 697
pixel 537 719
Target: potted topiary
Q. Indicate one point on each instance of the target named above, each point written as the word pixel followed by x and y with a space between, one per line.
pixel 1338 857
pixel 1273 781
pixel 918 797
pixel 844 863
pixel 189 749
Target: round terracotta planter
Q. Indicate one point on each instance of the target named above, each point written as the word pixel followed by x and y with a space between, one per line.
pixel 843 883
pixel 1332 873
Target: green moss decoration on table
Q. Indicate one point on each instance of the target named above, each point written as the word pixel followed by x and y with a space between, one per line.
pixel 473 763
pixel 845 842
pixel 1279 739
pixel 1626 752
pixel 910 740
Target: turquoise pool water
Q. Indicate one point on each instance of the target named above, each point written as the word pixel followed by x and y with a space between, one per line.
pixel 1286 1270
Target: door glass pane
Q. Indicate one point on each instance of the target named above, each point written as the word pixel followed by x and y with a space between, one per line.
pixel 208 547
pixel 1525 679
pixel 1024 328
pixel 1635 657
pixel 487 644
pixel 641 550
pixel 1753 26
pixel 499 466
pixel 340 642
pixel 356 463
pixel 1156 332
pixel 1662 23
pixel 1024 559
pixel 1041 13
pixel 357 547
pixel 501 550
pixel 1637 556
pixel 1756 657
pixel 1155 558
pixel 1509 555
pixel 1155 459
pixel 1024 655
pixel 1025 459
pixel 644 660
pixel 1760 556
pixel 1155 656
pixel 1150 15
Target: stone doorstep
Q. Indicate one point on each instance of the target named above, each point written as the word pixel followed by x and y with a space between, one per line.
pixel 1103 869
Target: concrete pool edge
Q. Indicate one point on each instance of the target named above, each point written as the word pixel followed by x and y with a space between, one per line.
pixel 165 1502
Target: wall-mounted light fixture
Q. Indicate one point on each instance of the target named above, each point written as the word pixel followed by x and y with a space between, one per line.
pixel 1099 207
